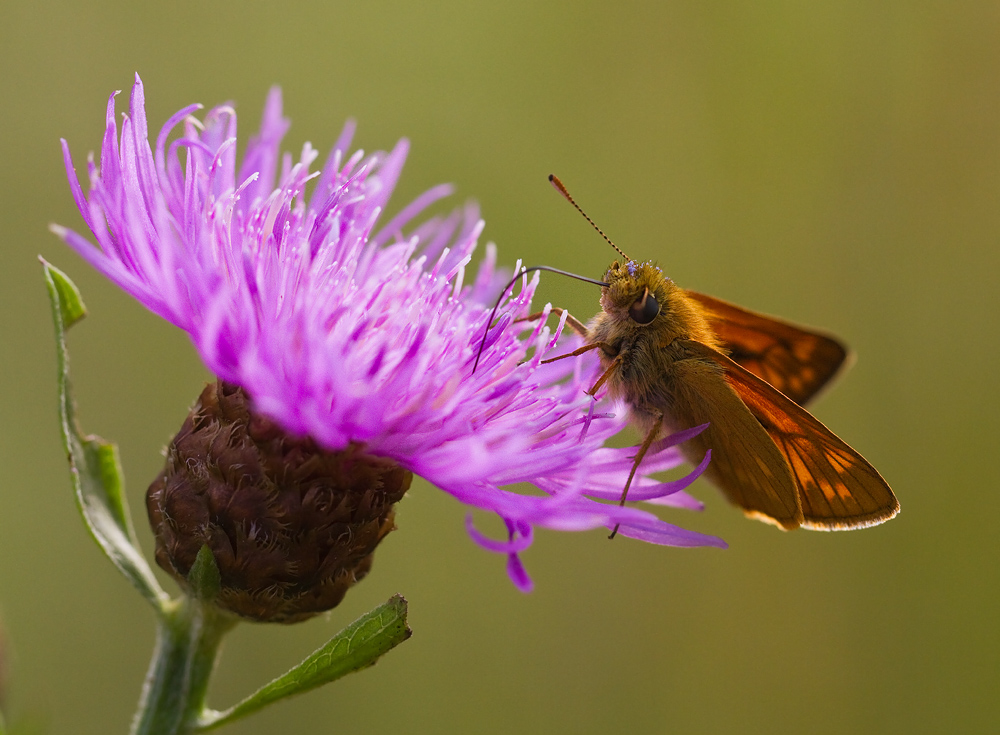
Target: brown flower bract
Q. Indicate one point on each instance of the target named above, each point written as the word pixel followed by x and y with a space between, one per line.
pixel 291 526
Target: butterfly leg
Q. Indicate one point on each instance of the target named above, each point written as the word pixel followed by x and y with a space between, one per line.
pixel 580 351
pixel 606 374
pixel 575 324
pixel 653 431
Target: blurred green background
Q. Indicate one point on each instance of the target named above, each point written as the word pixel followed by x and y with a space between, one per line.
pixel 836 163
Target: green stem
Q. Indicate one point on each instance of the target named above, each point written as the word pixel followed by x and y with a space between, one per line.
pixel 187 643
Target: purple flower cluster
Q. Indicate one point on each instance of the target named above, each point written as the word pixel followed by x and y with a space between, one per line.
pixel 353 331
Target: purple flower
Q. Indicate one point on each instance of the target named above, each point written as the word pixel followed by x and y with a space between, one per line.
pixel 352 331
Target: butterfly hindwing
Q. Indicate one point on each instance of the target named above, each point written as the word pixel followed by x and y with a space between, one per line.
pixel 798 362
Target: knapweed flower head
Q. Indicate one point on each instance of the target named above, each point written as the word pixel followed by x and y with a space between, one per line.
pixel 360 335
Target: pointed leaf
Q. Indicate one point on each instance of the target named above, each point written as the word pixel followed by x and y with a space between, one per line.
pixel 204 577
pixel 358 646
pixel 70 302
pixel 94 467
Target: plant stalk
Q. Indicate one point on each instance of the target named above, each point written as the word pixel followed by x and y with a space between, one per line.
pixel 188 638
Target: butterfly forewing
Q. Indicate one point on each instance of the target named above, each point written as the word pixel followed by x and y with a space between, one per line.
pixel 746 465
pixel 838 488
pixel 796 361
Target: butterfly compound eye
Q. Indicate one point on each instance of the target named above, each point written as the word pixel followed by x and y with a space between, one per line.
pixel 644 310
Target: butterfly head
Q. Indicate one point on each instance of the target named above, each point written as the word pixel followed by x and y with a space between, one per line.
pixel 636 292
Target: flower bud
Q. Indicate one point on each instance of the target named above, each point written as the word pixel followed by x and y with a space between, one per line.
pixel 291 526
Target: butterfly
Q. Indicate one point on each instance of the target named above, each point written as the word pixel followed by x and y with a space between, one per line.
pixel 680 359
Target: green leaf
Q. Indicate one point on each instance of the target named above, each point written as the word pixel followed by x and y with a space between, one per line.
pixel 71 306
pixel 94 467
pixel 356 647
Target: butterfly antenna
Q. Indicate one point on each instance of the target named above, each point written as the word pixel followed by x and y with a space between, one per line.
pixel 565 192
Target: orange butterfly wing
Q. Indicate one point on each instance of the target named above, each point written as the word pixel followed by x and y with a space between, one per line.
pixel 796 361
pixel 746 465
pixel 838 488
